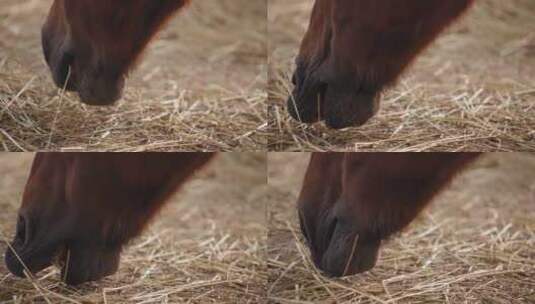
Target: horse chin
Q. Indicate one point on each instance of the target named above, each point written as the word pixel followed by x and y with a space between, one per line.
pixel 80 264
pixel 350 258
pixel 100 91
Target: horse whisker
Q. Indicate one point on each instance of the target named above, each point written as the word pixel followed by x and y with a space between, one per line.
pixel 67 263
pixel 350 257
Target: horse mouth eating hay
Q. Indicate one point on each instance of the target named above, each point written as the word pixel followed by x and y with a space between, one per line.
pixel 79 210
pixel 354 49
pixel 90 46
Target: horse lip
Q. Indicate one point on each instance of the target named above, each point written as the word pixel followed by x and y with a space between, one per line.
pixel 299 106
pixel 20 259
pixel 349 107
pixel 96 92
pixel 13 259
pixel 342 243
pixel 321 241
pixel 336 263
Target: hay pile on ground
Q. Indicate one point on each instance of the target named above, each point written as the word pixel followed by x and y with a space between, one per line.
pixel 473 90
pixel 200 86
pixel 196 251
pixel 474 244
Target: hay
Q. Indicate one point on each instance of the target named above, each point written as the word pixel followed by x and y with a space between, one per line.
pixel 473 90
pixel 196 251
pixel 201 86
pixel 474 244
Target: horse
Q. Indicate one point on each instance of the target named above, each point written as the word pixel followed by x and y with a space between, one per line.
pixel 354 49
pixel 350 202
pixel 90 46
pixel 82 208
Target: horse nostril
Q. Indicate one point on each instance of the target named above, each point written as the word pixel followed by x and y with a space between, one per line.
pixel 23 230
pixel 61 71
pixel 66 61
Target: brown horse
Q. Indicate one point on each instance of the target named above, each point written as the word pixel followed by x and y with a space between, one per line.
pixel 350 202
pixel 90 45
pixel 82 208
pixel 353 49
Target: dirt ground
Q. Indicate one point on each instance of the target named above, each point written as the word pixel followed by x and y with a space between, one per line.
pixel 200 86
pixel 474 244
pixel 196 251
pixel 472 90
